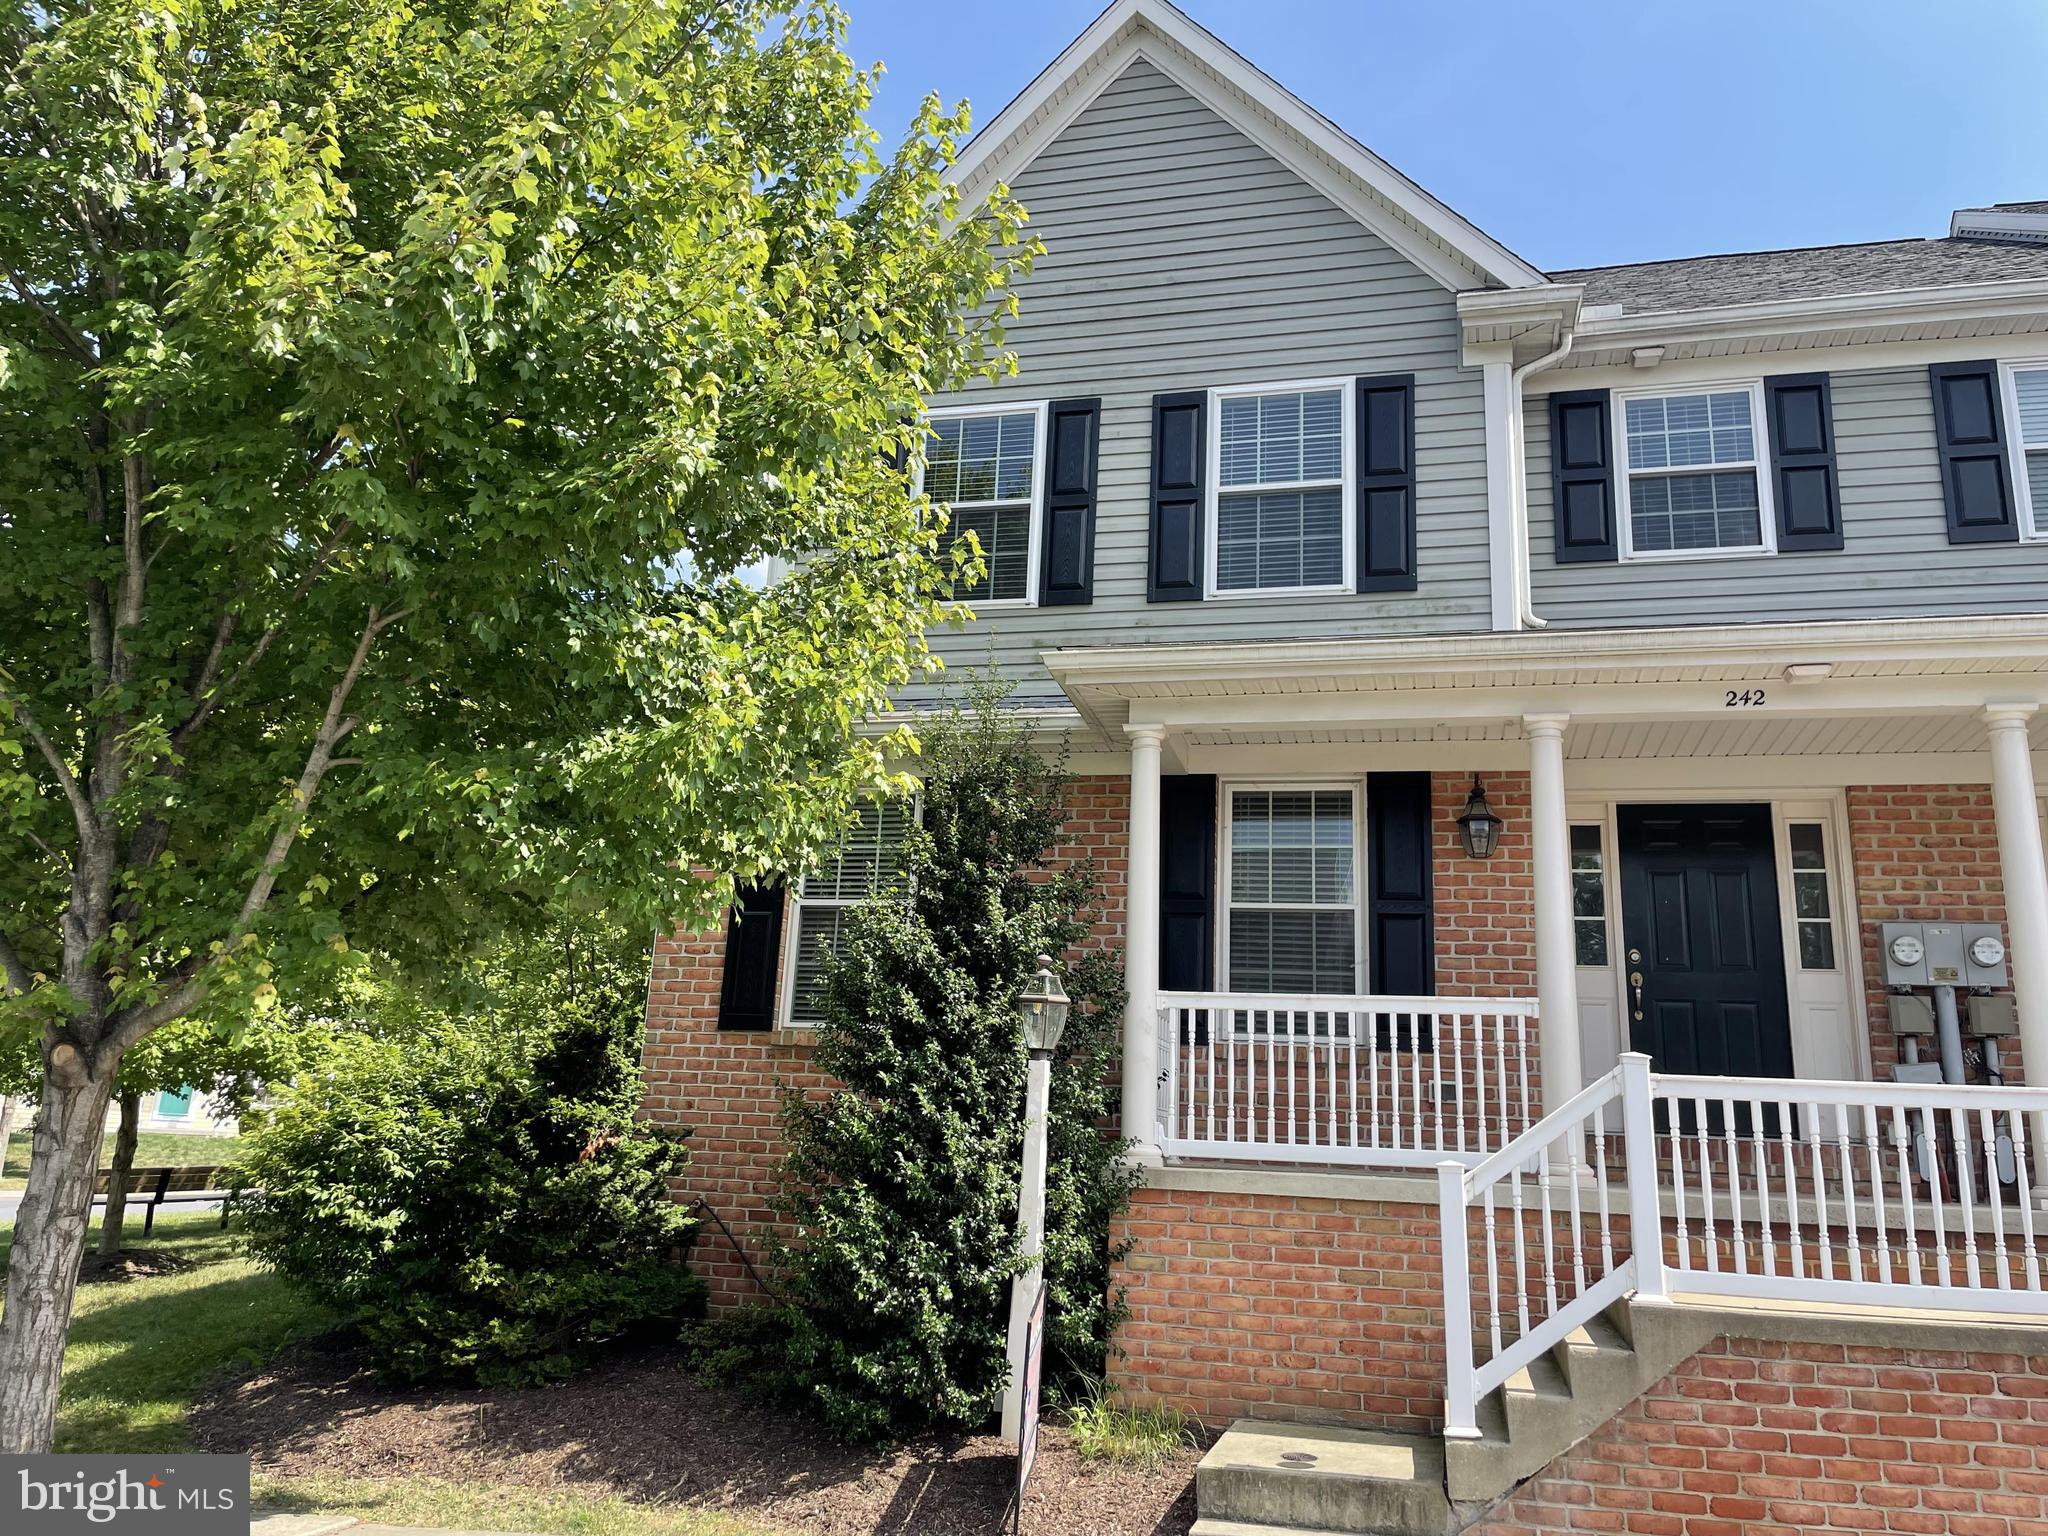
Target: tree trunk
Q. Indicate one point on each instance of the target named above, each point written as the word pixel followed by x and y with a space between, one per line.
pixel 117 1175
pixel 49 1241
pixel 6 1124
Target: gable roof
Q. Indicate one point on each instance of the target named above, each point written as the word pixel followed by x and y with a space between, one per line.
pixel 1441 242
pixel 1820 271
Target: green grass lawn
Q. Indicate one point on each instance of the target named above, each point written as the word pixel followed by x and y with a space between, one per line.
pixel 142 1351
pixel 153 1149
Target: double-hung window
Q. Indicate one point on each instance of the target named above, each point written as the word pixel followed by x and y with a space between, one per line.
pixel 983 465
pixel 2027 406
pixel 1293 917
pixel 1281 467
pixel 870 859
pixel 1693 481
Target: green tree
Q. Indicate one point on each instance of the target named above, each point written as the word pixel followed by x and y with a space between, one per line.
pixel 395 393
pixel 902 1187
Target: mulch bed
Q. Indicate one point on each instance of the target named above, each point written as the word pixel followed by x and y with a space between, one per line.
pixel 644 1429
pixel 132 1264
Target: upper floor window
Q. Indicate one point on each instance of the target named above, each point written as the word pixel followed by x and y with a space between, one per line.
pixel 983 464
pixel 868 860
pixel 1281 468
pixel 2029 411
pixel 1692 481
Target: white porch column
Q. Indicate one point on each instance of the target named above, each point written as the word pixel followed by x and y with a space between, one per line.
pixel 1557 980
pixel 1141 947
pixel 2025 875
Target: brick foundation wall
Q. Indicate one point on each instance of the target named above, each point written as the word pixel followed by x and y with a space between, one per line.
pixel 1283 1307
pixel 1921 854
pixel 1770 1439
pixel 727 1087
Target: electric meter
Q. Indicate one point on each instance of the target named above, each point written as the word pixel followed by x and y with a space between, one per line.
pixel 1907 949
pixel 1987 951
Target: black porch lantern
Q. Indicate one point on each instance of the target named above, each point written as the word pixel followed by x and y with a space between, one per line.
pixel 1479 827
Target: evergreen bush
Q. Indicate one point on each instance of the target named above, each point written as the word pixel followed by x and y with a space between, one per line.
pixel 476 1191
pixel 902 1187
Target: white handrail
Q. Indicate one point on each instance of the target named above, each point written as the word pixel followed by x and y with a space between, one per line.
pixel 1567 1285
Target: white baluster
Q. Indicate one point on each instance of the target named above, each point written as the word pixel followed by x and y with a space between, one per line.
pixel 1731 1139
pixel 1877 1210
pixel 1543 1172
pixel 1492 1272
pixel 1903 1142
pixel 1575 1140
pixel 1713 1253
pixel 1600 1181
pixel 1788 1150
pixel 1989 1135
pixel 1358 1020
pixel 1823 1234
pixel 1966 1196
pixel 1458 1077
pixel 1846 1159
pixel 1521 1252
pixel 1760 1156
pixel 1415 1089
pixel 2022 1152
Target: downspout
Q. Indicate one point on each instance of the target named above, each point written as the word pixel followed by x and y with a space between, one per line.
pixel 1519 470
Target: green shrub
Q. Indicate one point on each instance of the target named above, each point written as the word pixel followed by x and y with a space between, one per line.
pixel 477 1193
pixel 902 1187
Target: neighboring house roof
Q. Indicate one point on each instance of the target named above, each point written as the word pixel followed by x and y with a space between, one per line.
pixel 1755 277
pixel 1438 239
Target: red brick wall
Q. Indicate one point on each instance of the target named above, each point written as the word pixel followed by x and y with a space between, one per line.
pixel 1921 854
pixel 1283 1307
pixel 1770 1439
pixel 727 1087
pixel 1485 908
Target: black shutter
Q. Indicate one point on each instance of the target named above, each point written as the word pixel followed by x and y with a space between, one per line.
pixel 1400 925
pixel 1386 484
pixel 1175 567
pixel 1969 424
pixel 1187 882
pixel 1802 424
pixel 1072 430
pixel 1582 478
pixel 753 952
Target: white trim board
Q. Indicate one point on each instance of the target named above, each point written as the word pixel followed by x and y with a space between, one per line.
pixel 1428 233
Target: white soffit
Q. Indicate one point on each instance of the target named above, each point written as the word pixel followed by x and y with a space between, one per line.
pixel 1439 241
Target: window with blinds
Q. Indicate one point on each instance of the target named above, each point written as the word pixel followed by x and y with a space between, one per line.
pixel 868 861
pixel 1293 888
pixel 984 467
pixel 1280 498
pixel 2030 431
pixel 1694 481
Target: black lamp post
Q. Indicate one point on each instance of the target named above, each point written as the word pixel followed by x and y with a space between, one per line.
pixel 1479 827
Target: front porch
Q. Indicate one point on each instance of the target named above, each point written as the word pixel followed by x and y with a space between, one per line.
pixel 1704 830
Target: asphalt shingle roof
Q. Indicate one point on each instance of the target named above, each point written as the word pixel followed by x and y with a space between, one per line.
pixel 1755 277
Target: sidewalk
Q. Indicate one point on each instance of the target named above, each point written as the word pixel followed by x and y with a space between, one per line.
pixel 329 1525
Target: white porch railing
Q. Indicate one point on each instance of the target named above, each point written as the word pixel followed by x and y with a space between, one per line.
pixel 1876 1194
pixel 1542 1256
pixel 1380 1081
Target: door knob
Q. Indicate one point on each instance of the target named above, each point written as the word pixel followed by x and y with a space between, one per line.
pixel 1635 980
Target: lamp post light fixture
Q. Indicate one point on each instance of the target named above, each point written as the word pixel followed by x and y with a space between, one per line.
pixel 1042 1007
pixel 1479 827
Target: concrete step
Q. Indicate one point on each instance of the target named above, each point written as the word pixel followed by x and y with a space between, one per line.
pixel 1308 1478
pixel 1596 1360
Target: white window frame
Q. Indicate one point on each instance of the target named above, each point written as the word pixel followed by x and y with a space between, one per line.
pixel 2033 519
pixel 1212 476
pixel 1606 919
pixel 1759 464
pixel 794 901
pixel 1355 788
pixel 1037 410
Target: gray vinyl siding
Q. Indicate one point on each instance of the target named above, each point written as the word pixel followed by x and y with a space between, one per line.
pixel 1896 560
pixel 1180 256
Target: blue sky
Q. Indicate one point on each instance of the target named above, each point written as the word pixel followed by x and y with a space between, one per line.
pixel 1598 131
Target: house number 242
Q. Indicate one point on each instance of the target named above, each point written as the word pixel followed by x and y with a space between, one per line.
pixel 1747 698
